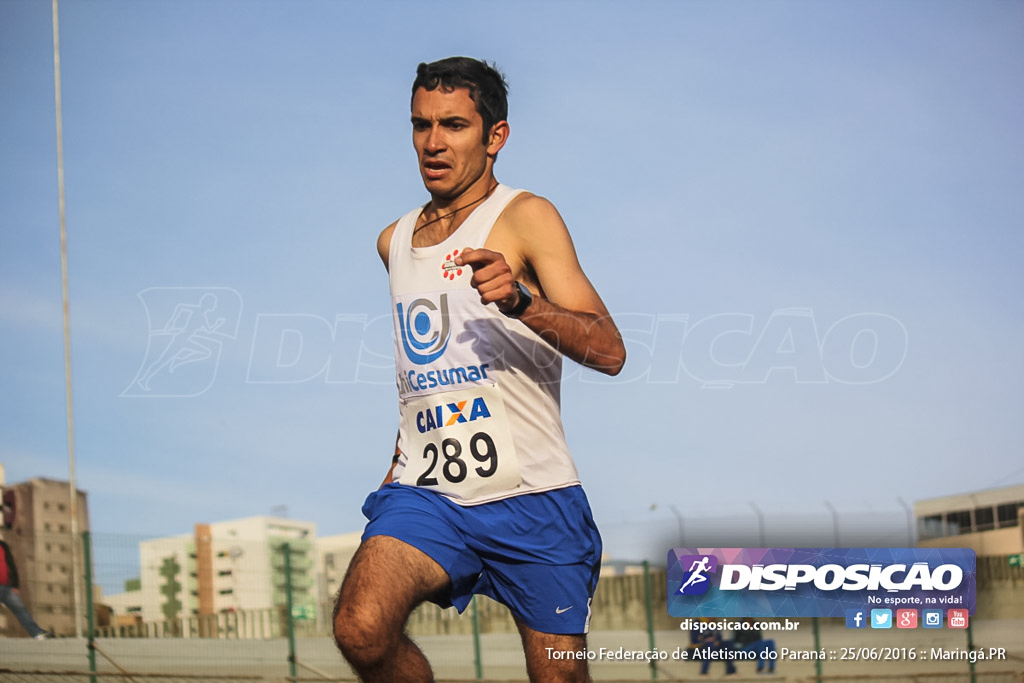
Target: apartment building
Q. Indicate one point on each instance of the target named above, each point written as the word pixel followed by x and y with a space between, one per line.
pixel 40 537
pixel 232 566
pixel 333 555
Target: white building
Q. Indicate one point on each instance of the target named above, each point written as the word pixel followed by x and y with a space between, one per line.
pixel 233 566
pixel 333 555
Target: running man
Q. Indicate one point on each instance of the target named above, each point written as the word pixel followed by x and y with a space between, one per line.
pixel 482 496
pixel 697 569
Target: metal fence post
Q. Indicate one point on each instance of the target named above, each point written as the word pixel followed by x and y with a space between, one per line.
pixel 817 647
pixel 649 608
pixel 288 604
pixel 970 648
pixel 478 661
pixel 90 612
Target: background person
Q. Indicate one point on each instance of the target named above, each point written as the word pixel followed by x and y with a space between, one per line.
pixel 752 640
pixel 9 594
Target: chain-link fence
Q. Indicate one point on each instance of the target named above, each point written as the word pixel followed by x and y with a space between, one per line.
pixel 232 607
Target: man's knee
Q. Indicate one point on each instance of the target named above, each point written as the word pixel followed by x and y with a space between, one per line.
pixel 558 671
pixel 570 667
pixel 385 581
pixel 359 634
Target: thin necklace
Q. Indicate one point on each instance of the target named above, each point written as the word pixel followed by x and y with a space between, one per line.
pixel 452 213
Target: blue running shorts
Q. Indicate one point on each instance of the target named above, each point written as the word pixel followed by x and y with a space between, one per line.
pixel 537 553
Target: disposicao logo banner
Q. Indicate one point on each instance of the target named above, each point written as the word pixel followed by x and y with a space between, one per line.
pixel 817 582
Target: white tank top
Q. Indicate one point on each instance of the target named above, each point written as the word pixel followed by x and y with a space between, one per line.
pixel 479 393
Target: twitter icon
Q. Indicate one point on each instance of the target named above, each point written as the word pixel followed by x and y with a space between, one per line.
pixel 881 618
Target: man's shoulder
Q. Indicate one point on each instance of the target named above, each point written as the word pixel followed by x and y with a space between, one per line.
pixel 384 242
pixel 526 201
pixel 387 232
pixel 530 213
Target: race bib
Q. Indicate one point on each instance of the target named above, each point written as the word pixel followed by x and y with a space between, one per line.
pixel 458 443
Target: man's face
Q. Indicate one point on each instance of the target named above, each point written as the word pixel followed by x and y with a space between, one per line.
pixel 448 134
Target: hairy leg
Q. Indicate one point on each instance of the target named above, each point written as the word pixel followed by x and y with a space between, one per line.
pixel 386 580
pixel 543 666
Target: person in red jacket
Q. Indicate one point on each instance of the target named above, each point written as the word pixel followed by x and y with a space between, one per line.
pixel 9 595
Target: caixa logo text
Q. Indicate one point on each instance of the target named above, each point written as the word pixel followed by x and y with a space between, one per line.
pixel 448 414
pixel 830 577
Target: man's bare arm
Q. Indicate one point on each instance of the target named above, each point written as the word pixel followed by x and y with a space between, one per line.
pixel 566 311
pixel 591 339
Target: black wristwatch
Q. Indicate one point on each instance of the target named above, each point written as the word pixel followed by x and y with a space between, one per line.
pixel 525 299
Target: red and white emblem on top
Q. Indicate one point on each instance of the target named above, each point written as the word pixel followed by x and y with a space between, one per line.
pixel 448 269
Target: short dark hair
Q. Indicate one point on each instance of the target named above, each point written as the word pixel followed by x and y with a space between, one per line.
pixel 486 85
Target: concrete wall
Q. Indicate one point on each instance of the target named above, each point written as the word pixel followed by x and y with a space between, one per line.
pixel 985 543
pixel 1000 589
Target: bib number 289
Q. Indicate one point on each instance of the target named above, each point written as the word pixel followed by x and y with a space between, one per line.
pixel 459 444
pixel 447 460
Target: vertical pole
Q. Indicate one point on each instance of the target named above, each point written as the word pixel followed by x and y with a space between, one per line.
pixel 649 608
pixel 288 603
pixel 817 647
pixel 910 521
pixel 90 612
pixel 478 660
pixel 760 523
pixel 75 578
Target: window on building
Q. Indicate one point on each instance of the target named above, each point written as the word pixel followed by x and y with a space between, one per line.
pixel 1007 514
pixel 224 572
pixel 930 526
pixel 226 591
pixel 958 522
pixel 46 505
pixel 60 507
pixel 984 519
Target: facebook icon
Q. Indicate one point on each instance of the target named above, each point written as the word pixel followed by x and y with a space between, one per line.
pixel 855 619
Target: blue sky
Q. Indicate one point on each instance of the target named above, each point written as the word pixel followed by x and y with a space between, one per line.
pixel 805 217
